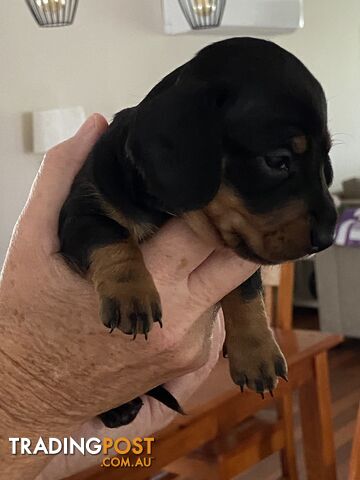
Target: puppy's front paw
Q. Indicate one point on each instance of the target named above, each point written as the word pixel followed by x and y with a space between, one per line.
pixel 128 297
pixel 257 363
pixel 132 308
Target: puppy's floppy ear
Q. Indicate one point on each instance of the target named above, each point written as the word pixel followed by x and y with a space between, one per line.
pixel 175 140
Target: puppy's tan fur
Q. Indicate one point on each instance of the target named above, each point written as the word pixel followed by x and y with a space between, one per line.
pixel 269 236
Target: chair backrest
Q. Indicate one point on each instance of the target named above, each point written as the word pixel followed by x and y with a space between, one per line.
pixel 278 284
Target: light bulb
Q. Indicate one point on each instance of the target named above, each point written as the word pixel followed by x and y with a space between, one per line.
pixel 51 5
pixel 204 7
pixel 203 13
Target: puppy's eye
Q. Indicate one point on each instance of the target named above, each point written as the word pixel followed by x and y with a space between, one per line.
pixel 278 159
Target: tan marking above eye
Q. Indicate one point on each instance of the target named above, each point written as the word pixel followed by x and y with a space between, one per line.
pixel 299 144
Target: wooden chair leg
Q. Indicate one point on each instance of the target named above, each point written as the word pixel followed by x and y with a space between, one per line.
pixel 355 453
pixel 316 420
pixel 288 454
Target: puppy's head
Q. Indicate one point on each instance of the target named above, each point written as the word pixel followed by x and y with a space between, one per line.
pixel 241 132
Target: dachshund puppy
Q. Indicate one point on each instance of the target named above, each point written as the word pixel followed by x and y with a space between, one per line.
pixel 236 142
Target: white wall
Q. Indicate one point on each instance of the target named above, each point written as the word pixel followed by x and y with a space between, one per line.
pixel 116 51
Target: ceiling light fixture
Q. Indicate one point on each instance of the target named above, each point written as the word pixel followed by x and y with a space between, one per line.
pixel 203 13
pixel 53 13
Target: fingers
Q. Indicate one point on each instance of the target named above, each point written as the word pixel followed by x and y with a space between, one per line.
pixel 54 179
pixel 174 252
pixel 182 388
pixel 177 253
pixel 218 275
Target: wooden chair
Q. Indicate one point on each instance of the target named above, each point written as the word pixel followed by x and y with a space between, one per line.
pixel 223 435
pixel 238 447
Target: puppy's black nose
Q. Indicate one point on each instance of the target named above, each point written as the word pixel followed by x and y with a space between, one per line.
pixel 320 240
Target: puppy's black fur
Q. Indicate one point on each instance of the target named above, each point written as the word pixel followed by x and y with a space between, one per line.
pixel 239 133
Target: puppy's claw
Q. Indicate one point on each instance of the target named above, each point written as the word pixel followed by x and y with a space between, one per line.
pixel 271 393
pixel 110 312
pixel 284 377
pixel 133 321
pixel 156 313
pixel 242 382
pixel 259 385
pixel 280 368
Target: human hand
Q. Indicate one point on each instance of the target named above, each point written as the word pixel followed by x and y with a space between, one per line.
pixel 152 417
pixel 61 367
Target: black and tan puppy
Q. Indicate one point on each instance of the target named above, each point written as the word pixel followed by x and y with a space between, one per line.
pixel 236 142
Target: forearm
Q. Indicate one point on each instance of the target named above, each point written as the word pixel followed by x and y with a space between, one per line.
pixel 34 403
pixel 18 405
pixel 26 407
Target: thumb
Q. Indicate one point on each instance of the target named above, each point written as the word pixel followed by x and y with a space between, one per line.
pixel 52 184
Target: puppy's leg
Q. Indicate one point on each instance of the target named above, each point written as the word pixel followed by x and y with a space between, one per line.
pixel 112 259
pixel 104 250
pixel 255 358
